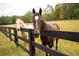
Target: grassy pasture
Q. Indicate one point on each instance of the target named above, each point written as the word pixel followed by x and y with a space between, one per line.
pixel 8 48
pixel 66 47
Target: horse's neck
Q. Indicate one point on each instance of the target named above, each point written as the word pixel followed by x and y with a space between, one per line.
pixel 44 25
pixel 23 25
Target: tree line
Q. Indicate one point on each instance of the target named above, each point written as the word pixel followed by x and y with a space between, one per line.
pixel 63 11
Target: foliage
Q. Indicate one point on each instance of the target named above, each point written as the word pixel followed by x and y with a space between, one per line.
pixel 7 20
pixel 60 12
pixel 63 11
pixel 27 17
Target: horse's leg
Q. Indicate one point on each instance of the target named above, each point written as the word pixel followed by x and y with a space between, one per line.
pixel 46 52
pixel 51 48
pixel 56 43
pixel 43 39
pixel 52 45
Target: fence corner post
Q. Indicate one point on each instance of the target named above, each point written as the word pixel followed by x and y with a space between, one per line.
pixel 15 36
pixel 31 40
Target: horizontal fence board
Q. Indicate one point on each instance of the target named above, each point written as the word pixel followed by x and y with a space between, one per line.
pixel 22 29
pixel 25 49
pixel 26 30
pixel 23 39
pixel 72 36
pixel 50 51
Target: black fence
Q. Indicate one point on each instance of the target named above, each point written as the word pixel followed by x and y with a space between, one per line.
pixel 72 36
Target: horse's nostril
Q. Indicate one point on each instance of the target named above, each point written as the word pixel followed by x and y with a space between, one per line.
pixel 36 35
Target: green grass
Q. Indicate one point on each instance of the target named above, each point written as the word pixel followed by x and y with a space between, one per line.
pixel 64 46
pixel 67 25
pixel 8 48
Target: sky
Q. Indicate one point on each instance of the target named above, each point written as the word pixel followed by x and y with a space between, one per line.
pixel 20 7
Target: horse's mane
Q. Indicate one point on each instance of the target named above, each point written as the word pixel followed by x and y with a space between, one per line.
pixel 44 24
pixel 23 24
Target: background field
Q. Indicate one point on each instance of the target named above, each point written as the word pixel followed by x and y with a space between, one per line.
pixel 67 47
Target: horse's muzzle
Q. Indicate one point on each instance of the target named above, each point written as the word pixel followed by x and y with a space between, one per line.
pixel 36 35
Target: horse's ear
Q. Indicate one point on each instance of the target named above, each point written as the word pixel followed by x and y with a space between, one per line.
pixel 40 11
pixel 33 10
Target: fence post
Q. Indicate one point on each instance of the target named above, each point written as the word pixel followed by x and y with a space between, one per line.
pixel 3 30
pixel 31 40
pixel 0 28
pixel 10 34
pixel 15 36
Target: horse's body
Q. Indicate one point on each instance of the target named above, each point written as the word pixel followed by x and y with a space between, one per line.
pixel 47 40
pixel 39 24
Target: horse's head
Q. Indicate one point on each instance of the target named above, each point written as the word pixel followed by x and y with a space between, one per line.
pixel 18 24
pixel 37 19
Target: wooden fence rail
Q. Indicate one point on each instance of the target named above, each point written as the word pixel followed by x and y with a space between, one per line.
pixel 72 36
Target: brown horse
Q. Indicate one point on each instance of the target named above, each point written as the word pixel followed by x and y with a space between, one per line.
pixel 39 24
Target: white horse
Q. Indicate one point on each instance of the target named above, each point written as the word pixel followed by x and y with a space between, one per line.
pixel 20 24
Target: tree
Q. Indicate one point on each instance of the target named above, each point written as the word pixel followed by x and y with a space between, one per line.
pixel 27 17
pixel 48 12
